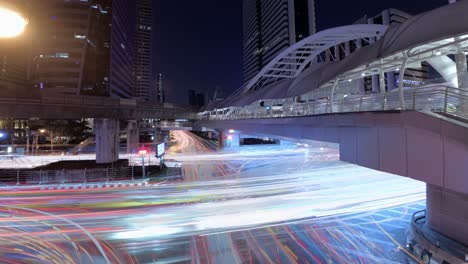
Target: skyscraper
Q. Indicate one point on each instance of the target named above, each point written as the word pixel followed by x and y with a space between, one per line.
pixel 59 33
pixel 83 47
pixel 160 93
pixel 122 80
pixel 271 26
pixel 143 52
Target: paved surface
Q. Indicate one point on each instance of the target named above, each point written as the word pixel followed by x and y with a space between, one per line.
pixel 253 205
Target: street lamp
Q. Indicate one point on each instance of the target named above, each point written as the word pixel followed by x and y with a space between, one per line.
pixel 12 23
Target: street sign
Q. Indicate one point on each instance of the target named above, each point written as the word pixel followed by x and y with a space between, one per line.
pixel 160 150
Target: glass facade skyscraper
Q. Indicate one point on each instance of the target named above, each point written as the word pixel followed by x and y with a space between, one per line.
pixel 122 81
pixel 271 26
pixel 83 47
pixel 143 53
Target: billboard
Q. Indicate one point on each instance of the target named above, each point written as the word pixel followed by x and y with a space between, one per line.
pixel 160 150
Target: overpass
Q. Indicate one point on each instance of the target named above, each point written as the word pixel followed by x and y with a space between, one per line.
pixel 417 131
pixel 106 112
pixel 77 107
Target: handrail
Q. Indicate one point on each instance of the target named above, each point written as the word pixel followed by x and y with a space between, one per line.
pixel 435 98
pixel 418 225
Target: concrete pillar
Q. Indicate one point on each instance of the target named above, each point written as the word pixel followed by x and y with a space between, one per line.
pixel 107 132
pixel 166 137
pixel 220 139
pixel 462 70
pixel 228 140
pixel 158 136
pixel 133 137
pixel 447 213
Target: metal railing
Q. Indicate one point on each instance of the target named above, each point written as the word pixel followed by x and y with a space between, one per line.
pixel 418 226
pixel 82 176
pixel 439 99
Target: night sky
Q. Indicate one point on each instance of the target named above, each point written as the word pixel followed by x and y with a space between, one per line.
pixel 198 44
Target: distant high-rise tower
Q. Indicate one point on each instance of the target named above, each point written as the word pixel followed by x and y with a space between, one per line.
pixel 143 52
pixel 192 97
pixel 271 26
pixel 160 94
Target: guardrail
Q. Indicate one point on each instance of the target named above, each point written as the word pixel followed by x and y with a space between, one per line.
pixel 82 176
pixel 438 99
pixel 418 227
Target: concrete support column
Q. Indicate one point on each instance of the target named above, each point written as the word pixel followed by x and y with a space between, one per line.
pixel 156 136
pixel 221 139
pixel 107 132
pixel 228 140
pixel 447 213
pixel 133 136
pixel 462 70
pixel 166 136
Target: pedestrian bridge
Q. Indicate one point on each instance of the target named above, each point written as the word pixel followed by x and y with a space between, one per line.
pixel 77 107
pixel 415 129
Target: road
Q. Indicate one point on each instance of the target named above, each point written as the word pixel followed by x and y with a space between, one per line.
pixel 252 205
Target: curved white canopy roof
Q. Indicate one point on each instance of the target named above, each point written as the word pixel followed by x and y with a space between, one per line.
pixel 429 37
pixel 292 61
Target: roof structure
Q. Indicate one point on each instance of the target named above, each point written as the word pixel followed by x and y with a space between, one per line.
pixel 428 37
pixel 291 62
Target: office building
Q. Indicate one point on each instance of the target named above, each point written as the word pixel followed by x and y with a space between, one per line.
pixel 201 99
pixel 83 47
pixel 14 61
pixel 160 93
pixel 122 80
pixel 143 51
pixel 192 97
pixel 271 26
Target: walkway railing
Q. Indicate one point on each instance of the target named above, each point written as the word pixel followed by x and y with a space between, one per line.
pixel 439 99
pixel 418 226
pixel 83 176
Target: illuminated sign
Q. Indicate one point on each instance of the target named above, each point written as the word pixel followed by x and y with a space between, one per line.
pixel 160 150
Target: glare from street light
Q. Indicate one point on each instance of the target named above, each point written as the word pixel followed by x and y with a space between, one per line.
pixel 42 130
pixel 12 24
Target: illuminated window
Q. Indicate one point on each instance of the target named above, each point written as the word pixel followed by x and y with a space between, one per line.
pixel 63 55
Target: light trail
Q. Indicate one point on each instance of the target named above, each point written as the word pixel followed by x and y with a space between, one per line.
pixel 271 204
